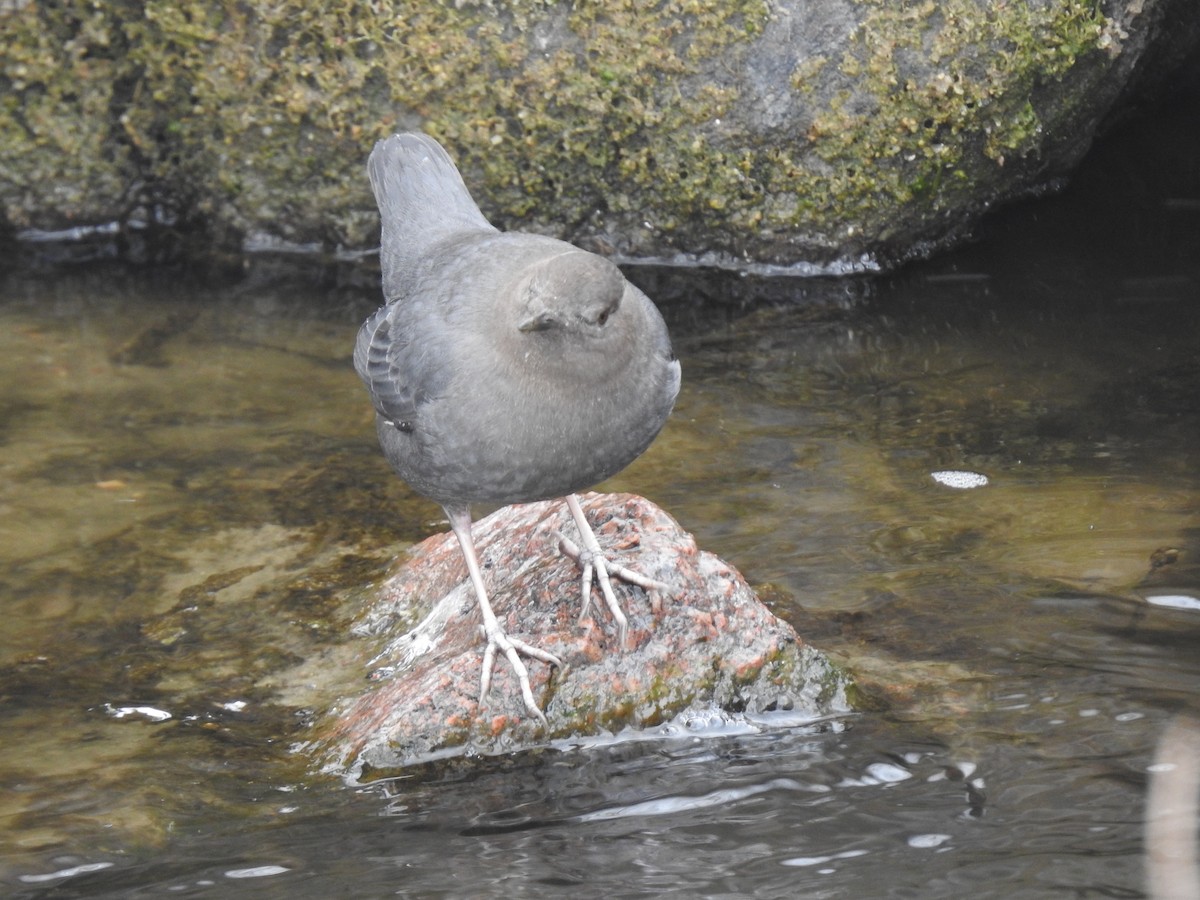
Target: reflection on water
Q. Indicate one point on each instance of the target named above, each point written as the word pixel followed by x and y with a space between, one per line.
pixel 193 501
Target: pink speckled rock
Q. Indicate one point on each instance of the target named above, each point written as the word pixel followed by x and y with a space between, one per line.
pixel 709 640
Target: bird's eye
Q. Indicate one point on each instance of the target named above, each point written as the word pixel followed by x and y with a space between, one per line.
pixel 603 317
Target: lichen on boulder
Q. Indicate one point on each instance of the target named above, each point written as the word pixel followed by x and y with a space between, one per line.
pixel 838 135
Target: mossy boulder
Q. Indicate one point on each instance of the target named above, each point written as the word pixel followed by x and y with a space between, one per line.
pixel 851 132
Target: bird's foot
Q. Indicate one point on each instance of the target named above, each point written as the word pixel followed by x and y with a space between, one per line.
pixel 497 639
pixel 512 649
pixel 593 562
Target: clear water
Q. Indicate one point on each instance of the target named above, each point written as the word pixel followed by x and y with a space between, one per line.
pixel 192 497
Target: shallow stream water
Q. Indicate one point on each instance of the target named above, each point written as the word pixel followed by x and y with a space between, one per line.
pixel 192 494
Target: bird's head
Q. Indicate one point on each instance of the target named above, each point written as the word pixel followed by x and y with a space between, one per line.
pixel 571 294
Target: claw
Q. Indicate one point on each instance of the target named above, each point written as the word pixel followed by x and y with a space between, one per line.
pixel 591 559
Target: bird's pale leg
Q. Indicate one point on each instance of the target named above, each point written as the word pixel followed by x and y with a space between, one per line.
pixel 591 558
pixel 460 523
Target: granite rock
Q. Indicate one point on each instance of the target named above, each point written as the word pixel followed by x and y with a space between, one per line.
pixel 709 641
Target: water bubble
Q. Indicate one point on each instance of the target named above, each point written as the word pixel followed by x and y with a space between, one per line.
pixel 962 481
pixel 1174 601
pixel 927 841
pixel 257 872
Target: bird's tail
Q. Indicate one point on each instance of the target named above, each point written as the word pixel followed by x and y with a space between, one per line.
pixel 422 200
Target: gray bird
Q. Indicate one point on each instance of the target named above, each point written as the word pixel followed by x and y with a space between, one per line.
pixel 504 368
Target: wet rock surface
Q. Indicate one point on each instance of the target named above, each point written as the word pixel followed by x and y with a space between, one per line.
pixel 709 641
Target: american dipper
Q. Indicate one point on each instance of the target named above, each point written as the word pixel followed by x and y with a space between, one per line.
pixel 504 368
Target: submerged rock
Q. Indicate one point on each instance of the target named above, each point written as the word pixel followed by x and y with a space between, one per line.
pixel 709 642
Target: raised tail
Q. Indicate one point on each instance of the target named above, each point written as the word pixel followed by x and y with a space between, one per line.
pixel 422 200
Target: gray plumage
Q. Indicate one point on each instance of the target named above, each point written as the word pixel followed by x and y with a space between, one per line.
pixel 504 367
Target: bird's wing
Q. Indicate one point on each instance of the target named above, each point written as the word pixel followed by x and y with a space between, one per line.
pixel 390 365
